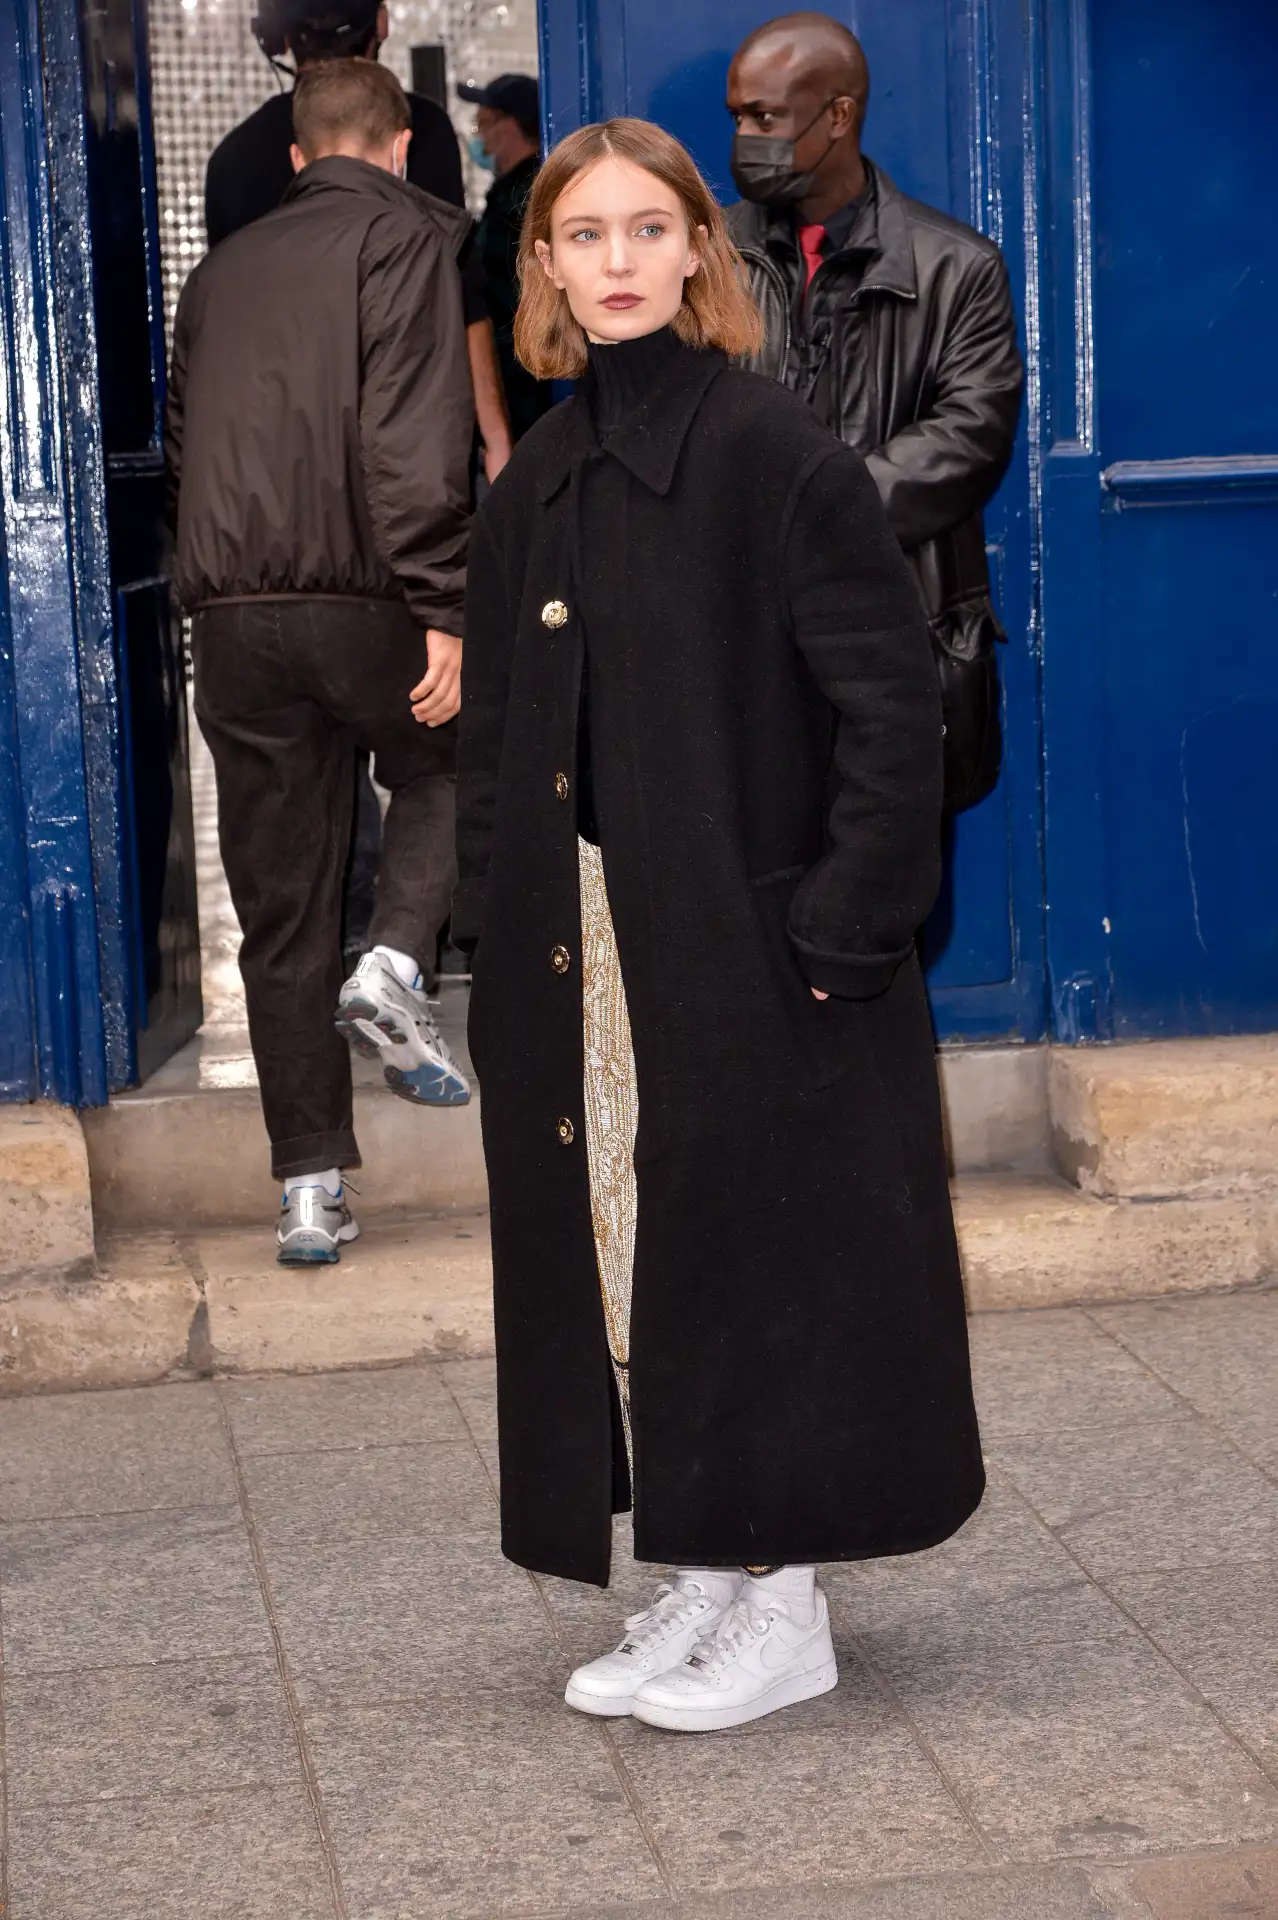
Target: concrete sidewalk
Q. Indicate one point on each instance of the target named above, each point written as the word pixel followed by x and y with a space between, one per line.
pixel 264 1659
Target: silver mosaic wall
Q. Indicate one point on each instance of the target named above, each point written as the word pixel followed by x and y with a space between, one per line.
pixel 207 73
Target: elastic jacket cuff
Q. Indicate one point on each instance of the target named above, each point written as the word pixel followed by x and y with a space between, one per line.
pixel 854 978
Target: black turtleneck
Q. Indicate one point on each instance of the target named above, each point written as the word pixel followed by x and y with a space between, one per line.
pixel 621 375
pixel 623 372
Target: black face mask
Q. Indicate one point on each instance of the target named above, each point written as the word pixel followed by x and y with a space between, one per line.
pixel 763 166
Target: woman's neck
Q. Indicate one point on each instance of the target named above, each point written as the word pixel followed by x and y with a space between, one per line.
pixel 623 372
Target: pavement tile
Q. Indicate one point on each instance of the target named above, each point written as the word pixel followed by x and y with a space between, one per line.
pixel 128 1588
pixel 384 1619
pixel 477 1804
pixel 474 1382
pixel 121 1452
pixel 183 1726
pixel 846 1801
pixel 1002 1580
pixel 1010 1893
pixel 241 1856
pixel 1047 1372
pixel 310 1413
pixel 1147 1497
pixel 1062 1751
pixel 356 1495
pixel 1239 1885
pixel 1220 1627
pixel 1221 1352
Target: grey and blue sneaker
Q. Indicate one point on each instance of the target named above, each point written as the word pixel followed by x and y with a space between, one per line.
pixel 313 1226
pixel 380 1016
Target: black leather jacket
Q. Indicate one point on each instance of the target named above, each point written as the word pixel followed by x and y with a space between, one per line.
pixel 908 350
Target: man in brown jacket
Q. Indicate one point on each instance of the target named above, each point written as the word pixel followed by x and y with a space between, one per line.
pixel 318 433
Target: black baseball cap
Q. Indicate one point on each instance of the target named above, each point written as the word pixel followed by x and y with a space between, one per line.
pixel 512 93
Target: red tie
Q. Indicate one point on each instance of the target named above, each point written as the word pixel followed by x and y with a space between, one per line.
pixel 811 241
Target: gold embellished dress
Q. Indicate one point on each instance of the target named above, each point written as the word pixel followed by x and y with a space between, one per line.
pixel 612 1114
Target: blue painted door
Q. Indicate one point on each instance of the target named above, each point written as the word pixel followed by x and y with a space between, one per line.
pixel 158 851
pixel 944 121
pixel 1161 514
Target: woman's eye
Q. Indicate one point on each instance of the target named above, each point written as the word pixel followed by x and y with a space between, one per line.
pixel 652 228
pixel 586 233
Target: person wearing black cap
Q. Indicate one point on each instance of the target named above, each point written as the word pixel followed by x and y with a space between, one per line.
pixel 507 140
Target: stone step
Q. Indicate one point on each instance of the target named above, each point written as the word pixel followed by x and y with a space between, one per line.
pixel 1167 1118
pixel 188 1150
pixel 213 1300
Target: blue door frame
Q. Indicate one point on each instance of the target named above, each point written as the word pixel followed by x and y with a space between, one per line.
pixel 98 945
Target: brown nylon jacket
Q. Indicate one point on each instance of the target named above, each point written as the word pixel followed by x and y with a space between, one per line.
pixel 319 420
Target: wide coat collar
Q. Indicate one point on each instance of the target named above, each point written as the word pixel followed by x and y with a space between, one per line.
pixel 650 441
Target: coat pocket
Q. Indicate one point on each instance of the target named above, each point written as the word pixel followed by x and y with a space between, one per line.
pixel 827 1035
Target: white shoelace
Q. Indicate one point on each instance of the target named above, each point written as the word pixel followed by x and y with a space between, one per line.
pixel 741 1624
pixel 671 1607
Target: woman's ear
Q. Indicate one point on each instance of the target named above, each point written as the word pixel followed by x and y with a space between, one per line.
pixel 547 259
pixel 693 260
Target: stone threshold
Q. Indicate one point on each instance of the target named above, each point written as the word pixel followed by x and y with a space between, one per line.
pixel 213 1301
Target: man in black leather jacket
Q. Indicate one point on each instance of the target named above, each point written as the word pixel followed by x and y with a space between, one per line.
pixel 896 323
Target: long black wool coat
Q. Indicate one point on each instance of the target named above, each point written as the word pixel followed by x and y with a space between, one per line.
pixel 766 747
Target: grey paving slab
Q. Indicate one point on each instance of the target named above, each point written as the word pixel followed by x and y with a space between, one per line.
pixel 1047 1372
pixel 129 1588
pixel 1146 1497
pixel 384 1619
pixel 355 1495
pixel 476 1804
pixel 1220 1352
pixel 1003 1580
pixel 1090 1750
pixel 474 1383
pixel 828 1805
pixel 1220 1627
pixel 1241 1884
pixel 241 1856
pixel 185 1726
pixel 378 1407
pixel 1053 1893
pixel 121 1452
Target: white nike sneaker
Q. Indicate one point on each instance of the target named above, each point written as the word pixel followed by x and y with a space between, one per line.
pixel 380 1016
pixel 759 1659
pixel 683 1610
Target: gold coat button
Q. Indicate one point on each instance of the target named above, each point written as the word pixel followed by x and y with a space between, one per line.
pixel 560 959
pixel 561 785
pixel 554 614
pixel 565 1131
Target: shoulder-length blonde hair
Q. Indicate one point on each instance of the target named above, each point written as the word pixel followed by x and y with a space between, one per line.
pixel 717 309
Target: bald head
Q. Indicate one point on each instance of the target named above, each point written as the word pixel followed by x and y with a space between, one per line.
pixel 803 78
pixel 811 49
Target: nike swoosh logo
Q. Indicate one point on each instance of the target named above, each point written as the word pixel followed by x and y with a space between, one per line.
pixel 773 1656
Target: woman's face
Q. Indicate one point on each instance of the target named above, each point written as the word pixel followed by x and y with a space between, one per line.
pixel 620 250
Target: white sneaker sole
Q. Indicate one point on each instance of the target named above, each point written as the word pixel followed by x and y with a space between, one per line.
pixel 409 1067
pixel 787 1691
pixel 312 1247
pixel 599 1705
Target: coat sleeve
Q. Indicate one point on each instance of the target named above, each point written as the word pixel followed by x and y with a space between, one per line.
pixel 486 664
pixel 416 416
pixel 944 467
pixel 858 622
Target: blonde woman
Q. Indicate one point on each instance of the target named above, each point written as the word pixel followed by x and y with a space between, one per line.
pixel 699 825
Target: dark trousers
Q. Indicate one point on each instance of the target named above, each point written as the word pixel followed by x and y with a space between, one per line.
pixel 286 691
